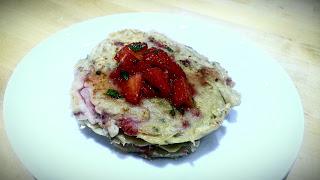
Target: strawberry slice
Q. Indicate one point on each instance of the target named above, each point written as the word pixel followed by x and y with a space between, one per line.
pixel 181 95
pixel 124 54
pixel 115 76
pixel 157 79
pixel 141 66
pixel 185 124
pixel 138 49
pixel 128 65
pixel 127 68
pixel 131 89
pixel 176 71
pixel 158 57
pixel 121 73
pixel 131 51
pixel 161 59
pixel 128 126
pixel 147 91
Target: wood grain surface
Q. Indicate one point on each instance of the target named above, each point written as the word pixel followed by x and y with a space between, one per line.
pixel 289 30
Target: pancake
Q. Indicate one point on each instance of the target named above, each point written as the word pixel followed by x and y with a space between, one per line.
pixel 154 127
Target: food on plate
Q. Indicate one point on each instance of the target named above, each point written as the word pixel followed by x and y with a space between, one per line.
pixel 150 95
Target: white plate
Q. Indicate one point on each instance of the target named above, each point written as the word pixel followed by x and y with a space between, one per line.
pixel 260 139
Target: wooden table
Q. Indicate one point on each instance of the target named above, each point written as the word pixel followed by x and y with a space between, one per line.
pixel 288 30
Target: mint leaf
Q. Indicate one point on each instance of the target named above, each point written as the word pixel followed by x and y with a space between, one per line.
pixel 124 74
pixel 113 93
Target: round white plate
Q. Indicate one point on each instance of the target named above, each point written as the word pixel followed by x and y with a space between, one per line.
pixel 259 140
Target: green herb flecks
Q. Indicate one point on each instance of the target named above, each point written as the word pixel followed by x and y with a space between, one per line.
pixel 169 49
pixel 178 134
pixel 124 75
pixel 136 46
pixel 172 112
pixel 113 93
pixel 162 120
pixel 155 129
pixel 213 116
pixel 181 110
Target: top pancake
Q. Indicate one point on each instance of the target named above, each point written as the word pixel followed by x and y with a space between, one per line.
pixel 213 99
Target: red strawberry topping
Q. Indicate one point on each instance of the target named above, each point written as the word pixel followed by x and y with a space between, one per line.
pixel 147 91
pixel 133 50
pixel 145 72
pixel 182 95
pixel 131 89
pixel 185 124
pixel 158 79
pixel 128 126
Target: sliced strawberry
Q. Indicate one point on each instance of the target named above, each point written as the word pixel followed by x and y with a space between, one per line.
pixel 147 91
pixel 131 51
pixel 128 65
pixel 195 111
pixel 124 54
pixel 157 79
pixel 175 70
pixel 128 126
pixel 181 95
pixel 137 49
pixel 161 59
pixel 158 57
pixel 127 68
pixel 120 74
pixel 185 124
pixel 116 76
pixel 131 89
pixel 141 66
